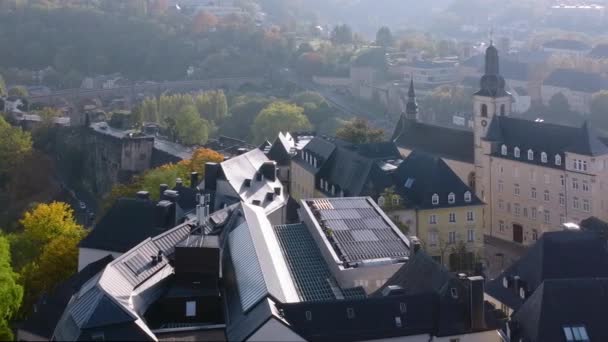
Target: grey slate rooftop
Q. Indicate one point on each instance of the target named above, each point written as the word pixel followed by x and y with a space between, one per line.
pixel 359 229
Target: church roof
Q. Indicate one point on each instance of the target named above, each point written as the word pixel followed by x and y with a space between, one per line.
pixel 545 137
pixel 454 144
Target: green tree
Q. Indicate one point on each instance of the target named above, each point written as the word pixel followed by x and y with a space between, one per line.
pixel 384 37
pixel 277 117
pixel 149 109
pixel 14 145
pixel 51 236
pixel 359 131
pixel 243 111
pixel 19 91
pixel 11 293
pixel 2 86
pixel 212 105
pixel 342 34
pixel 599 109
pixel 190 128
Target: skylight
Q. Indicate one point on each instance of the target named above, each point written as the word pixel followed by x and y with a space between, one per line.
pixel 409 182
pixel 576 333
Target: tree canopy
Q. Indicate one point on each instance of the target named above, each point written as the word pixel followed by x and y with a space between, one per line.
pixel 11 293
pixel 46 249
pixel 18 91
pixel 359 131
pixel 279 116
pixel 15 144
pixel 384 37
pixel 342 34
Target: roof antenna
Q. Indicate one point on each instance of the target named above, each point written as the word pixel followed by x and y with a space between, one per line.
pixel 492 35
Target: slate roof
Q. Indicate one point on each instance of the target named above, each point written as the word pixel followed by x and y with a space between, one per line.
pixel 595 225
pixel 287 145
pixel 245 166
pixel 107 300
pixel 320 148
pixel 557 255
pixel 359 229
pixel 421 175
pixel 373 57
pixel 559 303
pixel 454 144
pixel 127 223
pixel 49 309
pixel 541 137
pixel 575 80
pixel 357 169
pixel 566 44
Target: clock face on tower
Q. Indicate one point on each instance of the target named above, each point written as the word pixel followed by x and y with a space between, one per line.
pixel 484 123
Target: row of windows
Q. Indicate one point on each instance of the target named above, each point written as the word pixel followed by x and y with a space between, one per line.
pixel 452 237
pixel 518 211
pixel 579 165
pixel 452 217
pixel 501 228
pixel 543 156
pixel 452 198
pixel 324 185
pixel 546 177
pixel 583 185
pixel 309 158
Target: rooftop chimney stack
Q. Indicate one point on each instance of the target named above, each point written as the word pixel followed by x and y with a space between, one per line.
pixel 476 303
pixel 144 195
pixel 193 179
pixel 179 182
pixel 269 170
pixel 163 188
pixel 212 171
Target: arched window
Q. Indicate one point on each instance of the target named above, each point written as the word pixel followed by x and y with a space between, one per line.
pixel 435 199
pixel 381 201
pixel 451 198
pixel 558 159
pixel 503 109
pixel 516 152
pixel 503 150
pixel 395 200
pixel 530 155
pixel 484 110
pixel 467 196
pixel 543 157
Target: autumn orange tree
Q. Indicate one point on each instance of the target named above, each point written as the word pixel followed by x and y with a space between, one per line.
pixel 166 174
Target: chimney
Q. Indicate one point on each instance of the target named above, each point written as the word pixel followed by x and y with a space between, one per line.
pixel 212 171
pixel 277 191
pixel 165 214
pixel 144 195
pixel 193 179
pixel 241 150
pixel 171 195
pixel 269 170
pixel 163 188
pixel 179 183
pixel 476 303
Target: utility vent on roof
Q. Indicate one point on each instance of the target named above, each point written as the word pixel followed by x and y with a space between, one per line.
pixel 256 202
pixel 277 191
pixel 247 182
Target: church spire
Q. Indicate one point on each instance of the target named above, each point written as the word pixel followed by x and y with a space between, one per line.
pixel 492 83
pixel 411 108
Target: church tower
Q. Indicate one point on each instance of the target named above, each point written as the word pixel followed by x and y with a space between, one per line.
pixel 411 107
pixel 492 99
pixel 490 102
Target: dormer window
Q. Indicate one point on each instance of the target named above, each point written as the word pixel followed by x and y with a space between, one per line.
pixel 435 199
pixel 558 159
pixel 333 190
pixel 503 150
pixel 543 157
pixel 381 201
pixel 395 200
pixel 484 110
pixel 530 155
pixel 451 198
pixel 314 162
pixel 516 152
pixel 467 196
pixel 321 183
pixel 326 186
